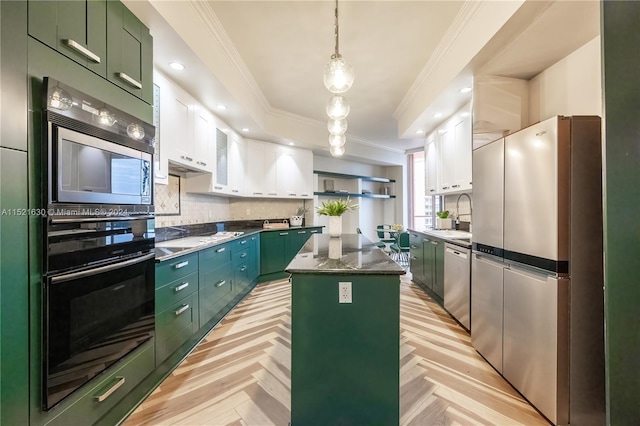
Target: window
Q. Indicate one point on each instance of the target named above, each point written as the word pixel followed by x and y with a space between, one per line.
pixel 423 207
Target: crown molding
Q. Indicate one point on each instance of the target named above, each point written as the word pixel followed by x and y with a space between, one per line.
pixel 215 28
pixel 467 12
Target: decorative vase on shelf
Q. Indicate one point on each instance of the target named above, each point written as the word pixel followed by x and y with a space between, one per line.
pixel 335 226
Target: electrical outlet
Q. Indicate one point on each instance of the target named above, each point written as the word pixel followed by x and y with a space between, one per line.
pixel 344 292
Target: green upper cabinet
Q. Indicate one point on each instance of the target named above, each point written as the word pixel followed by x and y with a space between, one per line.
pixel 77 29
pixel 129 52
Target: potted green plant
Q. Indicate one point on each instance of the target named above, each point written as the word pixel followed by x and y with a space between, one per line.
pixel 296 219
pixel 443 221
pixel 335 209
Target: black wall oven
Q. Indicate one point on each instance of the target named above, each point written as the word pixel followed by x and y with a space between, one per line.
pixel 98 260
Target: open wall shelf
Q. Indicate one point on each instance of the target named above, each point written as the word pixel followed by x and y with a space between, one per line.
pixel 347 176
pixel 345 194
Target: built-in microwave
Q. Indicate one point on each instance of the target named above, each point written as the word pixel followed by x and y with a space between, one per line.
pixel 97 154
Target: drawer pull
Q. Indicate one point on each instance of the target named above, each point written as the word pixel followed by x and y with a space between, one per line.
pixel 218 187
pixel 243 242
pixel 315 231
pixel 124 77
pixel 456 186
pixel 235 190
pixel 201 163
pixel 82 50
pixel 292 195
pixel 181 264
pixel 432 190
pixel 435 243
pixel 244 268
pixel 221 283
pixel 302 232
pixel 425 240
pixel 112 389
pixel 182 309
pixel 445 187
pixel 181 287
pixel 220 250
pixel 284 233
pixel 184 157
pixel 257 193
pixel 243 255
pixel 273 193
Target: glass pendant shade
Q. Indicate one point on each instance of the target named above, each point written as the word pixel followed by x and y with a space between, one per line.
pixel 337 151
pixel 338 107
pixel 338 75
pixel 337 140
pixel 337 127
pixel 59 99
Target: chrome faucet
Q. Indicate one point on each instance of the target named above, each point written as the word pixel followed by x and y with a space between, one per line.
pixel 458 207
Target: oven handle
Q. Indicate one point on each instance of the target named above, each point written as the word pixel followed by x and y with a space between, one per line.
pixel 101 269
pixel 101 219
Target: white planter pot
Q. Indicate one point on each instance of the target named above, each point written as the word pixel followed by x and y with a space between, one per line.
pixel 443 223
pixel 335 248
pixel 335 226
pixel 295 220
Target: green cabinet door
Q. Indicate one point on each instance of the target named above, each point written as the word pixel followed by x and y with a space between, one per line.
pixel 129 52
pixel 417 257
pixel 77 29
pixel 273 247
pixel 438 268
pixel 14 320
pixel 429 259
pixel 254 257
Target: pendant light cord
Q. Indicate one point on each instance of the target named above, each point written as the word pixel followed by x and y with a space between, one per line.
pixel 337 54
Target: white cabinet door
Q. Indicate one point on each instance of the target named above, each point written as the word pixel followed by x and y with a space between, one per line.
pixel 446 147
pixel 304 158
pixel 237 165
pixel 431 163
pixel 261 161
pixel 287 173
pixel 204 148
pixel 462 157
pixel 181 121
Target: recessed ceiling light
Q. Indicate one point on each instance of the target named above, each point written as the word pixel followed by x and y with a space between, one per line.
pixel 176 66
pixel 220 106
pixel 291 143
pixel 419 131
pixel 465 90
pixel 245 129
pixel 437 115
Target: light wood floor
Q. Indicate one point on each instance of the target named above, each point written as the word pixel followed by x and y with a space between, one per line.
pixel 240 375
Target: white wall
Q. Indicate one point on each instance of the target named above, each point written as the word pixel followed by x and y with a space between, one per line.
pixel 572 86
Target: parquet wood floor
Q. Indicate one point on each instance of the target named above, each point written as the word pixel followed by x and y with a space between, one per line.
pixel 239 375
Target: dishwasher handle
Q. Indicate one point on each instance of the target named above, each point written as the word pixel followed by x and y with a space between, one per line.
pixel 458 253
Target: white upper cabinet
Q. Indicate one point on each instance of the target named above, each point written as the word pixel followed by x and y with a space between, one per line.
pixel 261 161
pixel 182 136
pixel 204 139
pixel 295 173
pixel 454 154
pixel 431 163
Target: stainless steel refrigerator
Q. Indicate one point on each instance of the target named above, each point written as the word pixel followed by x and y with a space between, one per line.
pixel 551 340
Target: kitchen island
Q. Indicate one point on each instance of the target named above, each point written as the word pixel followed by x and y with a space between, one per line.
pixel 345 333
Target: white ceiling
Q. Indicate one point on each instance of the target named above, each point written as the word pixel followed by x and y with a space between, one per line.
pixel 265 59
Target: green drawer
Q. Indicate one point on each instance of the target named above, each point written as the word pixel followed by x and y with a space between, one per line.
pixel 240 244
pixel 175 291
pixel 174 269
pixel 175 325
pixel 241 278
pixel 239 257
pixel 215 293
pixel 111 389
pixel 214 257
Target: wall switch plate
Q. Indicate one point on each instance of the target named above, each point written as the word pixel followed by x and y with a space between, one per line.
pixel 344 292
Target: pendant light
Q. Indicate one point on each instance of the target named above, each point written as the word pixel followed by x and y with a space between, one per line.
pixel 338 78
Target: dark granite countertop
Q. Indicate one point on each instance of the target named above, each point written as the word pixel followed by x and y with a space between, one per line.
pixel 170 249
pixel 356 255
pixel 460 238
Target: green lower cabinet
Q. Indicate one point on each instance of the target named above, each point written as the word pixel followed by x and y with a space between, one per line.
pixel 107 390
pixel 240 278
pixel 417 258
pixel 434 267
pixel 278 248
pixel 254 257
pixel 216 290
pixel 176 325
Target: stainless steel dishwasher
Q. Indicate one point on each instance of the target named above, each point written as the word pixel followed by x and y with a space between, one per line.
pixel 457 283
